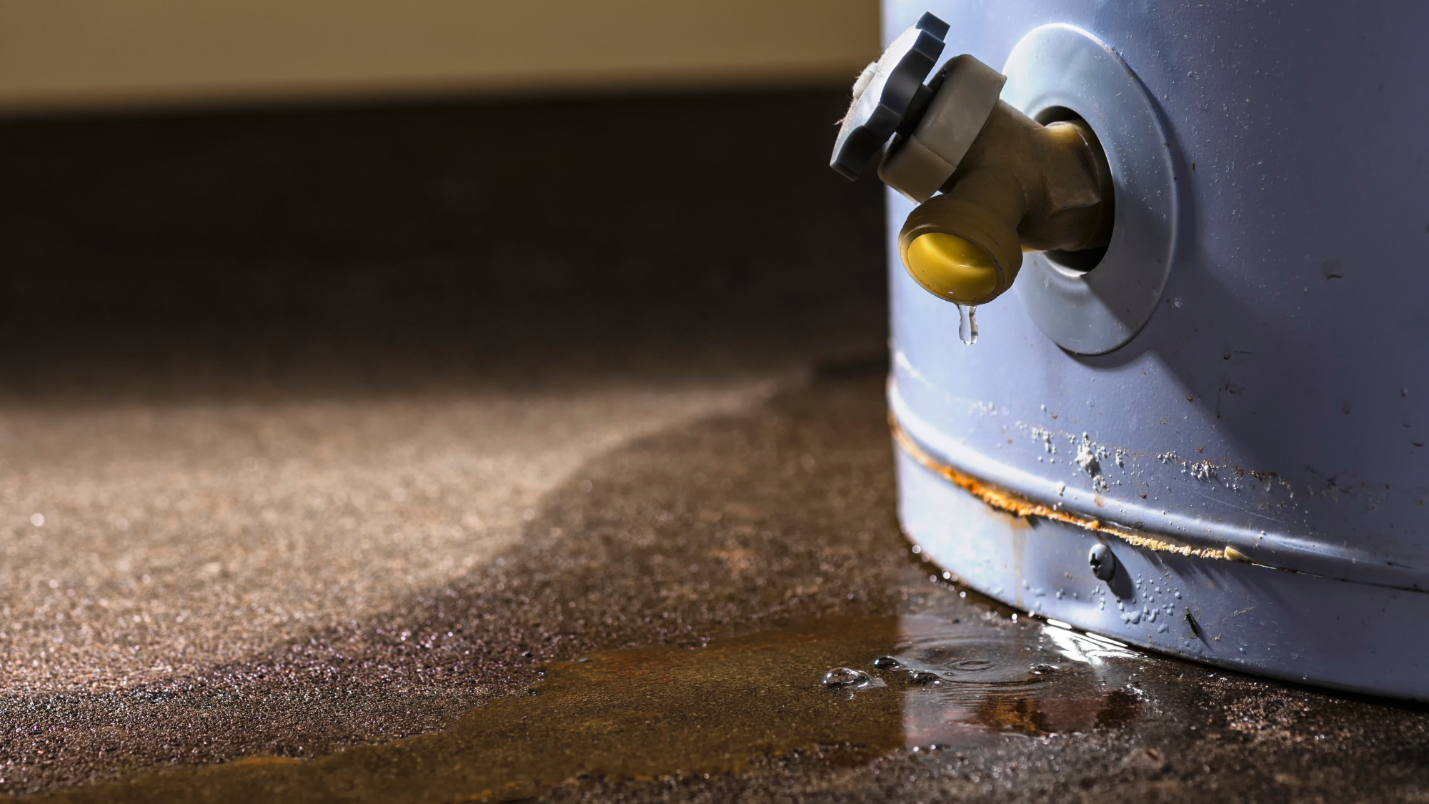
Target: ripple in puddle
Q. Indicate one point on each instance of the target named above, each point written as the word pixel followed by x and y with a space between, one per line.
pixel 877 683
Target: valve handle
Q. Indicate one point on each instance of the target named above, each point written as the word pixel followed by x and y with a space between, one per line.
pixel 885 92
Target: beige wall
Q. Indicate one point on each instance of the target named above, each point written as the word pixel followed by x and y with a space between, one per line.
pixel 88 53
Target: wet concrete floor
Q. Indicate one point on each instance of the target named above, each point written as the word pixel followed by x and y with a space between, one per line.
pixel 721 609
pixel 920 683
pixel 456 538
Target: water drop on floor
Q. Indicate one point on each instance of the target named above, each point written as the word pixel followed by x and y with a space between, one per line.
pixel 845 677
pixel 923 677
pixel 887 663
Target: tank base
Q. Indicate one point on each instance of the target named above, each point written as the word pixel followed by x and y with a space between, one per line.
pixel 1246 617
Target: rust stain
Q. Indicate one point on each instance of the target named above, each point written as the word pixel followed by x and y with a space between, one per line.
pixel 1020 506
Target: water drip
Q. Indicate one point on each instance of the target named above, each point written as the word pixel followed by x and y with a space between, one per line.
pixel 967 323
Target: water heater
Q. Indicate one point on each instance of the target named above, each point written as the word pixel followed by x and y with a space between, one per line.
pixel 1192 409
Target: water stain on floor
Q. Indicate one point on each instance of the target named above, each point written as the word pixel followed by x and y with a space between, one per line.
pixel 877 684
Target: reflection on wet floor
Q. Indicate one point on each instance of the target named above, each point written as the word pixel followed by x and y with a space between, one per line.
pixel 1037 679
pixel 874 684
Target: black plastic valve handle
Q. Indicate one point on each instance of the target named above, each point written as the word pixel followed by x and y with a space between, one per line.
pixel 878 109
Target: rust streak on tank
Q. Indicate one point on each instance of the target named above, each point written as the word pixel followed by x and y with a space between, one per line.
pixel 1022 507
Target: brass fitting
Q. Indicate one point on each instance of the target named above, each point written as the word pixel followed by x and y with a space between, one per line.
pixel 1008 183
pixel 1021 186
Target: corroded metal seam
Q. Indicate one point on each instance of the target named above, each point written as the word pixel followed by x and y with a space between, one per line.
pixel 1018 505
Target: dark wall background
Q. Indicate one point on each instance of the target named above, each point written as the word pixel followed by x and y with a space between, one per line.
pixel 141 245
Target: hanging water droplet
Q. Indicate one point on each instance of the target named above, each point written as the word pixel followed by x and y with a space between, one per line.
pixel 967 323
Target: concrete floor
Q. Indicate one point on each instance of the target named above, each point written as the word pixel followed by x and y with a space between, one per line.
pixel 323 430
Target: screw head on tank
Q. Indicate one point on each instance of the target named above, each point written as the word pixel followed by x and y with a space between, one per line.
pixel 1102 562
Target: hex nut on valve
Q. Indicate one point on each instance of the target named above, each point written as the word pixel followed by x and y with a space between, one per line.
pixel 1102 562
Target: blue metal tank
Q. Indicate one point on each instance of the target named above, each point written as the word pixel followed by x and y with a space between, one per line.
pixel 1239 412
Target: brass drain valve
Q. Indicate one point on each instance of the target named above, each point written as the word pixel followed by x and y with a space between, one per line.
pixel 990 181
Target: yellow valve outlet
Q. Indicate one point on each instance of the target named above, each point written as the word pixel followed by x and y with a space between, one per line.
pixel 951 267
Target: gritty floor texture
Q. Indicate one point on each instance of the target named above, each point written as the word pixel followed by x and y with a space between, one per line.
pixel 325 429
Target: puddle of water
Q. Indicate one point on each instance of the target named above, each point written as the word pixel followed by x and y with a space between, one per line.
pixel 975 679
pixel 882 684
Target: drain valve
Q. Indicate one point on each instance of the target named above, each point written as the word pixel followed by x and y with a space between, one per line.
pixel 991 181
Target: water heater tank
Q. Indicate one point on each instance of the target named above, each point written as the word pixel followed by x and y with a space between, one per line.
pixel 1210 436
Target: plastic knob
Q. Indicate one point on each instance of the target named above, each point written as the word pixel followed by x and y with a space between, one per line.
pixel 884 94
